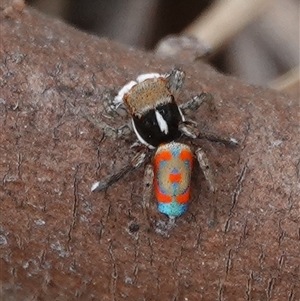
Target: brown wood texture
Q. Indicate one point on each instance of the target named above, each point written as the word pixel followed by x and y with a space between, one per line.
pixel 59 241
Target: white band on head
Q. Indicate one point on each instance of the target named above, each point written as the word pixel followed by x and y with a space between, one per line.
pixel 145 76
pixel 161 122
pixel 119 98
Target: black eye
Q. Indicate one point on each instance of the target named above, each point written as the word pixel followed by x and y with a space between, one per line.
pixel 165 113
pixel 162 112
pixel 148 123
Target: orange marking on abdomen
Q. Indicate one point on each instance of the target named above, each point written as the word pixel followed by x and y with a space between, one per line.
pixel 186 155
pixel 162 155
pixel 161 197
pixel 184 197
pixel 175 177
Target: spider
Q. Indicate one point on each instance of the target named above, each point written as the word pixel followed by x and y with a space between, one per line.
pixel 158 122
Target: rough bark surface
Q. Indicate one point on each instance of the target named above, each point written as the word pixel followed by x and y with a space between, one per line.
pixel 59 241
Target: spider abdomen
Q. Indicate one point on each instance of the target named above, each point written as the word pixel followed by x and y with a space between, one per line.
pixel 172 176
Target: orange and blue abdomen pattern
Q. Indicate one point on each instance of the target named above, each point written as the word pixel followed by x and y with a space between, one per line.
pixel 172 176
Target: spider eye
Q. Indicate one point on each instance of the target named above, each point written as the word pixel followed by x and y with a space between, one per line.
pixel 149 123
pixel 162 112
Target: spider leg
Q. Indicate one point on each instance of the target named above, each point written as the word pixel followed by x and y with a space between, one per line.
pixel 216 138
pixel 175 79
pixel 122 132
pixel 205 167
pixel 195 102
pixel 189 129
pixel 208 174
pixel 147 190
pixel 113 104
pixel 135 162
pixel 148 207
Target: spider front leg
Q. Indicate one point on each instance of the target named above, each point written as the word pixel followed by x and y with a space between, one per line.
pixel 189 127
pixel 123 132
pixel 113 104
pixel 175 80
pixel 195 102
pixel 135 162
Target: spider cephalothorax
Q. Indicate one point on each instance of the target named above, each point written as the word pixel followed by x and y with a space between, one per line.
pixel 151 103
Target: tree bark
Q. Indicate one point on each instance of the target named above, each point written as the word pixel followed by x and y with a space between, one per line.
pixel 59 241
